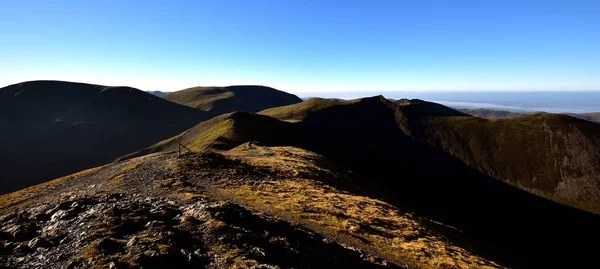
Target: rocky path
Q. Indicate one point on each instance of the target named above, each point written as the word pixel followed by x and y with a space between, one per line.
pixel 140 214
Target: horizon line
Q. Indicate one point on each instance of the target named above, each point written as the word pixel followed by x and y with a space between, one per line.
pixel 309 92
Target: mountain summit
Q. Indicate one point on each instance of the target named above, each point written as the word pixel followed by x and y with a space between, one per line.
pixel 219 100
pixel 52 128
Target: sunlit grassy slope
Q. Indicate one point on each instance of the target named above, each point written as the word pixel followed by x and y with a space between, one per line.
pixel 219 100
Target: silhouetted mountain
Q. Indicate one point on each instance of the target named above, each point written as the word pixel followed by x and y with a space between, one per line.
pixel 593 117
pixel 219 100
pixel 296 112
pixel 491 114
pixel 157 93
pixel 501 114
pixel 52 128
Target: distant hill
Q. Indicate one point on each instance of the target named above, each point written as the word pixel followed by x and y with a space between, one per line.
pixel 296 112
pixel 157 93
pixel 595 117
pixel 493 114
pixel 501 114
pixel 219 100
pixel 52 128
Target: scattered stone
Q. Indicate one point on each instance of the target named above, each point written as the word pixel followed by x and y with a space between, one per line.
pixel 39 242
pixel 22 232
pixel 155 224
pixel 62 215
pixel 132 241
pixel 151 228
pixel 22 248
pixel 6 218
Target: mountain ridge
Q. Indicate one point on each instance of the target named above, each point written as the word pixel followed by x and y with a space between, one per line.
pixel 493 114
pixel 219 100
pixel 385 147
pixel 52 128
pixel 63 118
pixel 465 176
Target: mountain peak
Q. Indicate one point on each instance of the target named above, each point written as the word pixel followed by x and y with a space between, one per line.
pixel 219 100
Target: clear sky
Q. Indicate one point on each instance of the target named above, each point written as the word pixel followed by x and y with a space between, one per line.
pixel 305 46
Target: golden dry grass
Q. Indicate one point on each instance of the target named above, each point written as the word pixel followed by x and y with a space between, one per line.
pixel 377 225
pixel 205 139
pixel 297 112
pixel 369 224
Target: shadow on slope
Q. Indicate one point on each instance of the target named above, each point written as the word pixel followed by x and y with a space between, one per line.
pixel 386 144
pixel 552 155
pixel 219 100
pixel 52 128
pixel 521 229
pixel 369 136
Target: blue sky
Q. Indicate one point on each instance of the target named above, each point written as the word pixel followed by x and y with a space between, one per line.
pixel 305 46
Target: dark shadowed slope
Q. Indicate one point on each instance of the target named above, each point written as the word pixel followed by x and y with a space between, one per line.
pixel 157 93
pixel 390 150
pixel 226 132
pixel 593 117
pixel 219 100
pixel 493 114
pixel 552 155
pixel 500 114
pixel 52 128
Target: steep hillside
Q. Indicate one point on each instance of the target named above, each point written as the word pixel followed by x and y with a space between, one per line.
pixel 52 128
pixel 555 156
pixel 492 114
pixel 500 114
pixel 593 117
pixel 226 132
pixel 552 155
pixel 220 100
pixel 296 112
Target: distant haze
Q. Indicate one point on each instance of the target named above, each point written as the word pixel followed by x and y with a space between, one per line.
pixel 554 102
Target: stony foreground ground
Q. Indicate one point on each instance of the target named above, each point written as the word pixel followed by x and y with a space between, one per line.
pixel 251 207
